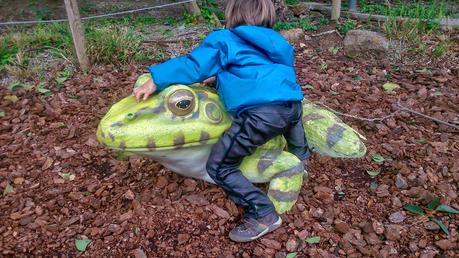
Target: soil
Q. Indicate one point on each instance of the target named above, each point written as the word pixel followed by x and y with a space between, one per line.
pixel 67 187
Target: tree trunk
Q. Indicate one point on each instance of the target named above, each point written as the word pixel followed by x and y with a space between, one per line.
pixel 283 13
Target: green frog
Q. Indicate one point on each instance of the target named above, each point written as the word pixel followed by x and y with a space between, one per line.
pixel 178 126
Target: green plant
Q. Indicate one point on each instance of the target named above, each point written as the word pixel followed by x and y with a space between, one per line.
pixel 292 2
pixel 304 24
pixel 41 12
pixel 440 49
pixel 435 207
pixel 112 44
pixel 347 26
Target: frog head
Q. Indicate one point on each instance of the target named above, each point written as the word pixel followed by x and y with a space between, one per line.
pixel 177 117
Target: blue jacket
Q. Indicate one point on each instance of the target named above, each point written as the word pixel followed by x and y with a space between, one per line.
pixel 253 66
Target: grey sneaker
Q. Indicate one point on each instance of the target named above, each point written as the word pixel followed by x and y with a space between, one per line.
pixel 252 229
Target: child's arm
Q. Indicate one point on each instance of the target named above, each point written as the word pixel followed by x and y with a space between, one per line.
pixel 204 62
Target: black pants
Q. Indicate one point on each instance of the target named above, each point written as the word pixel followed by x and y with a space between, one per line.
pixel 251 129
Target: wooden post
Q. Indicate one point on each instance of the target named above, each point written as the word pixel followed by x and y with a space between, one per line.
pixel 73 15
pixel 336 10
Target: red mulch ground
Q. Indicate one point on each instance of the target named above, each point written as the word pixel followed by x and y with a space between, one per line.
pixel 131 205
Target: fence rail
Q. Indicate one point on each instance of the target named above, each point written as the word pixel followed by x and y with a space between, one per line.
pixel 12 23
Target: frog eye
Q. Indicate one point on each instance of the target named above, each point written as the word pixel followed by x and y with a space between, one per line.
pixel 181 102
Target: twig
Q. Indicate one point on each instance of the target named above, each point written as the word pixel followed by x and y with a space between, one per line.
pixel 325 33
pixel 380 119
pixel 402 108
pixel 376 119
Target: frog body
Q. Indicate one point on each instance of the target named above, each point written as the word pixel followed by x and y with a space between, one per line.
pixel 178 127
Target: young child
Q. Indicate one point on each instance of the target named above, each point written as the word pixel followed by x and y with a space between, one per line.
pixel 255 79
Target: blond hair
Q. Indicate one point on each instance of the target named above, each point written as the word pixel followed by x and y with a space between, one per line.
pixel 250 12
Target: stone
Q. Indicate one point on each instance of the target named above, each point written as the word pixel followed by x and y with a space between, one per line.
pixel 270 243
pixel 393 232
pixel 293 35
pixel 183 238
pixel 317 213
pixel 397 217
pixel 401 182
pixel 382 191
pixel 378 227
pixel 358 42
pixel 291 245
pixel 114 228
pixel 161 182
pixel 298 9
pixel 431 226
pixel 372 239
pixel 341 226
pixel 445 244
pixel 129 195
pixel 139 253
pixel 220 212
pixel 396 202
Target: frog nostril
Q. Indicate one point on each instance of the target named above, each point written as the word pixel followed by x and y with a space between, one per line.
pixel 130 115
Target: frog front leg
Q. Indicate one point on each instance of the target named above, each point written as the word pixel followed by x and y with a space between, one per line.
pixel 284 172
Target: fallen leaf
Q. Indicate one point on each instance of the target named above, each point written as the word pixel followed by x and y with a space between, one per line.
pixel 12 98
pixel 374 173
pixel 82 244
pixel 414 209
pixel 8 189
pixel 313 240
pixel 291 255
pixel 374 185
pixel 48 163
pixel 2 114
pixel 389 87
pixel 378 158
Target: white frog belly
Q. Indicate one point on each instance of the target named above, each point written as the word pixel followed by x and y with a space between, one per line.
pixel 188 162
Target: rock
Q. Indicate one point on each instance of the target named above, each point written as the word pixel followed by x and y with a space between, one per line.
pixel 291 245
pixel 161 182
pixel 183 238
pixel 293 35
pixel 298 9
pixel 341 226
pixel 26 221
pixel 382 191
pixel 114 228
pixel 397 217
pixel 396 202
pixel 190 184
pixel 221 212
pixel 269 243
pixel 198 200
pixel 139 253
pixel 431 226
pixel 358 42
pixel 445 244
pixel 401 182
pixel 428 254
pixel 373 239
pixel 129 195
pixel 378 227
pixel 413 245
pixel 354 237
pixel 126 216
pixel 317 213
pixel 393 232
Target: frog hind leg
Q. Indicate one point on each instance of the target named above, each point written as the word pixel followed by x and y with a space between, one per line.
pixel 284 172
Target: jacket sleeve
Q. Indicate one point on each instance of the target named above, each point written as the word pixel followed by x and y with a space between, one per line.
pixel 205 61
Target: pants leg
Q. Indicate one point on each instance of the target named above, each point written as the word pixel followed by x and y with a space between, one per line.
pixel 241 140
pixel 296 139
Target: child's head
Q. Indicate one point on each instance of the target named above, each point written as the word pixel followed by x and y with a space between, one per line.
pixel 250 12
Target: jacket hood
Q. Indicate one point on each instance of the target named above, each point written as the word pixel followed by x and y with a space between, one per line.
pixel 270 42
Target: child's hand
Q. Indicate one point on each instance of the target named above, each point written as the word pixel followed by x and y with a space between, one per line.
pixel 144 91
pixel 209 81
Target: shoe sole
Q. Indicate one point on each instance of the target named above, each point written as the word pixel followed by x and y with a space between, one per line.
pixel 273 227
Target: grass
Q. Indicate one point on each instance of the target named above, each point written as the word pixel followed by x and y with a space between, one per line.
pixel 304 24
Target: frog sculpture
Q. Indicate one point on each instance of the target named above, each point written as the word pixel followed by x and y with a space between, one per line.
pixel 178 126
